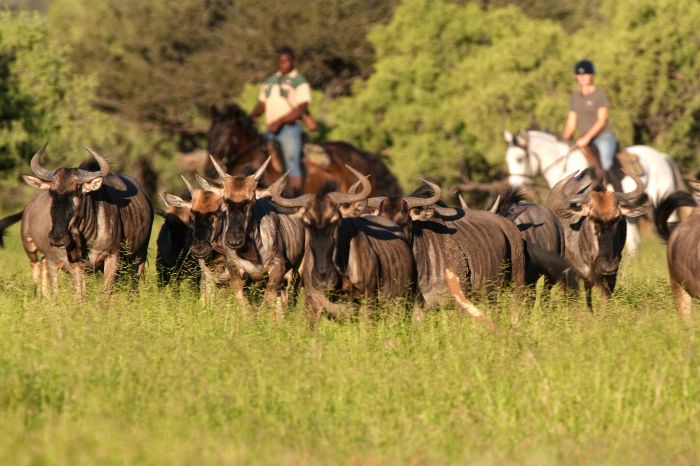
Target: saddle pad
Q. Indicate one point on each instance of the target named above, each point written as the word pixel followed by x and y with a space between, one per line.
pixel 317 155
pixel 630 163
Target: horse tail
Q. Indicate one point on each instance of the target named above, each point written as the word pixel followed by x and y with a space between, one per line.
pixel 666 207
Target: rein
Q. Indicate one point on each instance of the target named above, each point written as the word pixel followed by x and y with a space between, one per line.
pixel 544 170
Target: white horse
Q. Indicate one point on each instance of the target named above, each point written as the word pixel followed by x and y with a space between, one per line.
pixel 533 152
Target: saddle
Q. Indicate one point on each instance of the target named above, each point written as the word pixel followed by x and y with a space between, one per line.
pixel 625 163
pixel 316 154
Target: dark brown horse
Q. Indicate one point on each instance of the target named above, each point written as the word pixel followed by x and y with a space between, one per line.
pixel 236 143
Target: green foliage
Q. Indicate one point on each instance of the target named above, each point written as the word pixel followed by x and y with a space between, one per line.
pixel 449 78
pixel 133 378
pixel 42 98
pixel 167 62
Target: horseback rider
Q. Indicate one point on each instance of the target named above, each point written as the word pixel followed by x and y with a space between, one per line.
pixel 589 117
pixel 284 98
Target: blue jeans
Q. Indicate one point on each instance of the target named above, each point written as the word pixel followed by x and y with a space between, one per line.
pixel 289 138
pixel 606 143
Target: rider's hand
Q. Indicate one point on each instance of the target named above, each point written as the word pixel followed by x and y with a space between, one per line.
pixel 583 141
pixel 274 126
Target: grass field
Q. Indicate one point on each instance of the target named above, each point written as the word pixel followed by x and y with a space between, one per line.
pixel 155 378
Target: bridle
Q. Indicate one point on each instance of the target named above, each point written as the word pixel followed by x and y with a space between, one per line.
pixel 527 172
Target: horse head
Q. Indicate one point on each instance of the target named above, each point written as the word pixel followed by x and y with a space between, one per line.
pixel 230 132
pixel 521 166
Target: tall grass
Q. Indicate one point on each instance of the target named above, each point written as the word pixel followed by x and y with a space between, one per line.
pixel 153 377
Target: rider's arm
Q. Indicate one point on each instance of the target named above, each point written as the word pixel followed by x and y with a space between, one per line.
pixel 294 114
pixel 258 110
pixel 602 119
pixel 570 125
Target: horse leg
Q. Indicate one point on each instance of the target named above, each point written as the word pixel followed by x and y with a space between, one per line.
pixel 633 239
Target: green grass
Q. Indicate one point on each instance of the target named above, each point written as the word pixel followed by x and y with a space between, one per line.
pixel 155 378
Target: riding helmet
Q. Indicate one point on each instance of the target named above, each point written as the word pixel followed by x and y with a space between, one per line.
pixel 584 67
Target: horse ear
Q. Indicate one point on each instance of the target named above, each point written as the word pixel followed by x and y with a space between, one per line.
pixel 521 139
pixel 213 112
pixel 508 136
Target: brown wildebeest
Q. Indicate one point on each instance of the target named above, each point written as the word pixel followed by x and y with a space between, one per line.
pixel 595 228
pixel 236 143
pixel 84 220
pixel 683 250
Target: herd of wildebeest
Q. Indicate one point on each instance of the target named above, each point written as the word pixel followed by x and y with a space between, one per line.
pixel 346 248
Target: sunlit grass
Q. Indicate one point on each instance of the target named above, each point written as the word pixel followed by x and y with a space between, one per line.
pixel 153 377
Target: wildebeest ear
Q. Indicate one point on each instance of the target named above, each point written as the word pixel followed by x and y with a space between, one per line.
pixel 92 185
pixel 213 112
pixel 633 211
pixel 695 187
pixel 35 182
pixel 508 136
pixel 354 209
pixel 423 214
pixel 176 201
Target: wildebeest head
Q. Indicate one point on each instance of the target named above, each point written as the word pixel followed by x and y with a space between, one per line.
pixel 67 188
pixel 599 218
pixel 321 214
pixel 405 210
pixel 239 194
pixel 206 217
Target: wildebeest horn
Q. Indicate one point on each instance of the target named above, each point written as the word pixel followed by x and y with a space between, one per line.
pixel 582 198
pixel 275 193
pixel 356 197
pixel 494 207
pixel 188 184
pixel 208 186
pixel 425 201
pixel 258 174
pixel 355 186
pixel 463 203
pixel 219 170
pixel 634 195
pixel 35 165
pixel 104 167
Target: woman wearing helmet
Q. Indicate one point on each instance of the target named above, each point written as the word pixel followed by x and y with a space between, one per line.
pixel 589 116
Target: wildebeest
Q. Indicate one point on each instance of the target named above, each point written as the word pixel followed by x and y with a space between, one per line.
pixel 543 235
pixel 255 238
pixel 173 257
pixel 85 220
pixel 235 143
pixel 594 227
pixel 683 252
pixel 362 257
pixel 204 218
pixel 482 248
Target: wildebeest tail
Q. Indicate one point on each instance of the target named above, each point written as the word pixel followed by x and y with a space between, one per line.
pixel 666 207
pixel 556 268
pixel 6 222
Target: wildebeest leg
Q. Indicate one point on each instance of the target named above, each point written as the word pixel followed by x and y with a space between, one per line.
pixel 51 275
pixel 236 284
pixel 273 292
pixel 110 271
pixel 76 273
pixel 589 297
pixel 683 300
pixel 38 276
pixel 207 282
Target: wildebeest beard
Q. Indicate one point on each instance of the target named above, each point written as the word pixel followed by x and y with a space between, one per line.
pixel 324 274
pixel 62 211
pixel 236 222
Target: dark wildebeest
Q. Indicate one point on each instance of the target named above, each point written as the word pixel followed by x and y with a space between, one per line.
pixel 543 235
pixel 173 257
pixel 483 249
pixel 595 228
pixel 236 143
pixel 683 252
pixel 256 239
pixel 85 220
pixel 362 257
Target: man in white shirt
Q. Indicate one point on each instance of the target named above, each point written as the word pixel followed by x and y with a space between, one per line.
pixel 284 98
